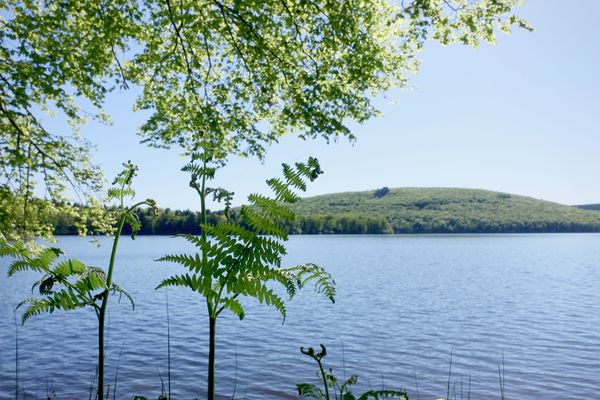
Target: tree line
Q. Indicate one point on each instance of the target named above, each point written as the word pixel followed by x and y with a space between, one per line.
pixel 172 222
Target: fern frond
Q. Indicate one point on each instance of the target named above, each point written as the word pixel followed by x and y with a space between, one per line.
pixel 45 285
pixel 234 306
pixel 282 191
pixel 196 283
pixel 192 263
pixel 193 239
pixel 69 268
pixel 253 286
pixel 40 263
pixel 267 250
pixel 90 282
pixel 18 266
pixel 197 170
pixel 309 391
pixel 311 170
pixel 36 307
pixel 99 272
pixel 323 280
pixel 65 299
pixel 134 222
pixel 294 177
pixel 117 193
pixel 262 224
pixel 17 249
pixel 114 288
pixel 272 208
pixel 384 394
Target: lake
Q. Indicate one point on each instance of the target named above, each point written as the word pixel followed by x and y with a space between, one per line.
pixel 404 304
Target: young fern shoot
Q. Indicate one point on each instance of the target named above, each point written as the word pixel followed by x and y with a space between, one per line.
pixel 68 284
pixel 340 388
pixel 238 259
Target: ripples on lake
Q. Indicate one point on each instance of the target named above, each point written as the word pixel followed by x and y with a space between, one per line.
pixel 403 304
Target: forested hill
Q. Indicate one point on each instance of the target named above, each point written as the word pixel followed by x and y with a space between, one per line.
pixel 404 210
pixel 438 210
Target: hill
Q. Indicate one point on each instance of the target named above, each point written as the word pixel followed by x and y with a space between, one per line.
pixel 438 210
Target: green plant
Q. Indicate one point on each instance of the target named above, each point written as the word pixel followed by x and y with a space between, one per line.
pixel 339 388
pixel 68 284
pixel 239 258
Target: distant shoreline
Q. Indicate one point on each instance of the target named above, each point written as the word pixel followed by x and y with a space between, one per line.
pixel 379 234
pixel 396 211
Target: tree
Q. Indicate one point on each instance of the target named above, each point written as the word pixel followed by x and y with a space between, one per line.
pixel 245 73
pixel 56 58
pixel 242 72
pixel 379 193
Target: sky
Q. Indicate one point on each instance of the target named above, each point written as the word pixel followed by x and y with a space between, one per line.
pixel 521 117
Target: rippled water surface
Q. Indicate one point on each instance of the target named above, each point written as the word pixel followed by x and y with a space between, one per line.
pixel 404 303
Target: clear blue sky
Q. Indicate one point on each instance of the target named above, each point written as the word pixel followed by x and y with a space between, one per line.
pixel 520 117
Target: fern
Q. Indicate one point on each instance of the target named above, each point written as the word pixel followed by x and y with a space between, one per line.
pixel 243 259
pixel 68 284
pixel 340 388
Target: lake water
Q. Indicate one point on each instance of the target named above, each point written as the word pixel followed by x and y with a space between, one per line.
pixel 404 304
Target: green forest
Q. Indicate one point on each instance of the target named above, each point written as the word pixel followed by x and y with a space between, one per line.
pixel 402 210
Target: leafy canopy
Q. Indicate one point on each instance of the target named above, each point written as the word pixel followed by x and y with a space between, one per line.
pixel 55 54
pixel 247 72
pixel 242 73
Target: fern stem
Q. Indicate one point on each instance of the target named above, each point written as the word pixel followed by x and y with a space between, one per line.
pixel 16 356
pixel 102 314
pixel 324 379
pixel 168 343
pixel 202 193
pixel 212 315
pixel 105 294
pixel 211 359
